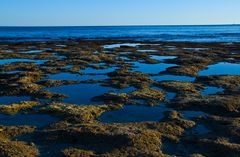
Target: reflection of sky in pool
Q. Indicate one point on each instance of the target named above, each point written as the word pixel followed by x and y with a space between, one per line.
pixel 199 129
pixel 134 114
pixel 70 76
pixel 119 45
pixel 13 72
pixel 83 93
pixel 38 120
pixel 124 58
pixel 162 58
pixel 68 66
pixel 169 47
pixel 196 49
pixel 168 95
pixel 7 61
pixel 6 51
pixel 173 78
pixel 147 51
pixel 222 68
pixel 193 114
pixel 98 71
pixel 13 99
pixel 151 68
pixel 33 51
pixel 60 45
pixel 211 90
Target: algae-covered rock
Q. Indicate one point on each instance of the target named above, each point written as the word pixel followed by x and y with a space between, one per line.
pixel 180 87
pixel 110 97
pixel 147 95
pixel 17 149
pixel 10 148
pixel 12 131
pixel 223 126
pixel 217 147
pixel 150 95
pixel 229 82
pixel 54 83
pixel 132 139
pixel 44 94
pixel 190 70
pixel 215 104
pixel 123 78
pixel 79 113
pixel 80 133
pixel 16 107
pixel 74 152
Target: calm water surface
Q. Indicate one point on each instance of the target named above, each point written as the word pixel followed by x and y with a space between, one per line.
pixel 214 33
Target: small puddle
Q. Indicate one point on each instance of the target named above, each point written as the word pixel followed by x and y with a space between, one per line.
pixel 222 68
pixel 61 45
pixel 83 93
pixel 134 114
pixel 193 114
pixel 211 90
pixel 13 72
pixel 196 49
pixel 70 76
pixel 98 71
pixel 151 68
pixel 173 78
pixel 199 129
pixel 68 66
pixel 7 51
pixel 170 95
pixel 38 120
pixel 8 61
pixel 124 58
pixel 33 51
pixel 147 50
pixel 162 58
pixel 112 46
pixel 171 48
pixel 13 99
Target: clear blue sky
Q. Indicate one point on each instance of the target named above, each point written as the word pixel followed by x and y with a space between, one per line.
pixel 117 12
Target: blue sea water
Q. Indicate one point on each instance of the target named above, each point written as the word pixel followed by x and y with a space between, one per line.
pixel 204 33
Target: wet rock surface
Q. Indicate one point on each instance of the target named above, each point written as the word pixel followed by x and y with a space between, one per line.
pixel 201 118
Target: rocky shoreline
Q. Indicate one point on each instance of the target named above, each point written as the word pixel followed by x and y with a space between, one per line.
pixel 78 82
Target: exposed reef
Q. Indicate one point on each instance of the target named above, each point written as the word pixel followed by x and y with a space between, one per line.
pixel 193 100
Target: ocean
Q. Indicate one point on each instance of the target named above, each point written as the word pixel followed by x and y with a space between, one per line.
pixel 203 33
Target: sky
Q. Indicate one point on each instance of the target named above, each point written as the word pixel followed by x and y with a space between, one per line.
pixel 118 12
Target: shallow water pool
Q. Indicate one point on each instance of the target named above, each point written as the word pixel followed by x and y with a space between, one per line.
pixel 8 61
pixel 162 58
pixel 90 70
pixel 38 120
pixel 173 78
pixel 147 50
pixel 151 68
pixel 112 46
pixel 199 129
pixel 13 99
pixel 83 93
pixel 222 68
pixel 193 114
pixel 134 114
pixel 70 76
pixel 211 90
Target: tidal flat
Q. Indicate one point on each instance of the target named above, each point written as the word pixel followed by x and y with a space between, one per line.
pixel 104 98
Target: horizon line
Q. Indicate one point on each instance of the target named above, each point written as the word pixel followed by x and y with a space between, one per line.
pixel 153 25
